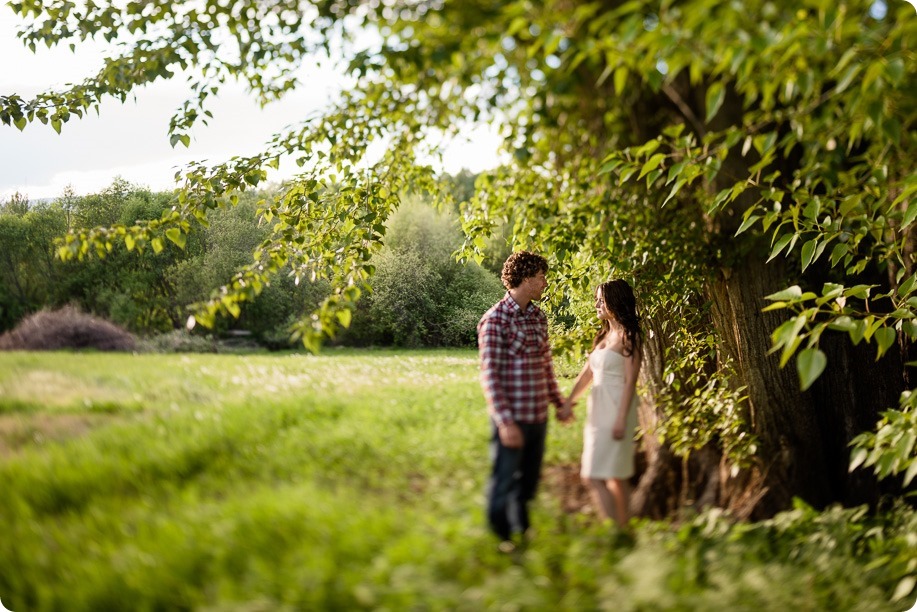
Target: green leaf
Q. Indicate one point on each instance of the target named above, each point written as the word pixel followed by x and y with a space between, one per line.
pixel 857 457
pixel 885 337
pixel 840 249
pixel 844 324
pixel 715 96
pixel 810 363
pixel 910 214
pixel 789 337
pixel 781 244
pixel 895 70
pixel 808 250
pixel 620 80
pixel 857 331
pixel 858 291
pixel 344 316
pixel 845 82
pixel 910 473
pixel 909 328
pixel 904 588
pixel 675 189
pixel 129 242
pixel 651 164
pixel 765 142
pixel 675 170
pixel 907 285
pixel 175 235
pixel 787 294
pixel 905 446
pixel 157 244
pixel 626 172
pixel 747 223
pixel 609 166
pixel 232 307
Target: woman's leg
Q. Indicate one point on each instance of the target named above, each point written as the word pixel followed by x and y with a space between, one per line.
pixel 601 496
pixel 620 490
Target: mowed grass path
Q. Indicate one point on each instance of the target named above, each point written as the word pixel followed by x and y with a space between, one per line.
pixel 348 480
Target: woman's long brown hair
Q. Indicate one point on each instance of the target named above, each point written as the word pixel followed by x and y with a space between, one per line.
pixel 620 302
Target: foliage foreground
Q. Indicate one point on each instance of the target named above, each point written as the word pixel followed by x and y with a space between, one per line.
pixel 355 480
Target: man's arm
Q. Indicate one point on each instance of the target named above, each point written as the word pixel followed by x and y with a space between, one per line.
pixel 492 349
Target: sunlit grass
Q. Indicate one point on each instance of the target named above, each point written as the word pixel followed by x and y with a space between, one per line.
pixel 349 480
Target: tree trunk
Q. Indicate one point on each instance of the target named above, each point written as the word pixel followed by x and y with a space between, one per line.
pixel 658 473
pixel 792 458
pixel 849 396
pixel 803 436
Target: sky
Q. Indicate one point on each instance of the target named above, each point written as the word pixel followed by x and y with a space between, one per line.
pixel 131 140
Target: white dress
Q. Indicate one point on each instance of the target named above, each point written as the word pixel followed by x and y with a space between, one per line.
pixel 603 456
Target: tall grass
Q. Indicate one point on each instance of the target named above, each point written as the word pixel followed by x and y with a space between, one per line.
pixel 354 480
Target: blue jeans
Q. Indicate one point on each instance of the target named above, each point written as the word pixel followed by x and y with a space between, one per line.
pixel 514 479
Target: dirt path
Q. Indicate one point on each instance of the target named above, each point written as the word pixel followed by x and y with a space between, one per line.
pixel 563 483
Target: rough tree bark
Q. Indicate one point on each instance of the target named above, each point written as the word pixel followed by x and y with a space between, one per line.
pixel 659 480
pixel 804 436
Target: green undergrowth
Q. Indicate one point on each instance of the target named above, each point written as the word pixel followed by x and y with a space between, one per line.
pixel 354 480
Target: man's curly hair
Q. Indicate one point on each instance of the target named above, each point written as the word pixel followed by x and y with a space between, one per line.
pixel 520 266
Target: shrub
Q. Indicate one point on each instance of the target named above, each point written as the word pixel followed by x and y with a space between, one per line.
pixel 471 291
pixel 67 328
pixel 421 295
pixel 403 299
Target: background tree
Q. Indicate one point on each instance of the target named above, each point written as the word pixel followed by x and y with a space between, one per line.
pixel 711 151
pixel 135 292
pixel 29 273
pixel 14 291
pixel 17 205
pixel 422 296
pixel 226 245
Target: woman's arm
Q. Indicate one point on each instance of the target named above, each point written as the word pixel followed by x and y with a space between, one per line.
pixel 631 372
pixel 582 381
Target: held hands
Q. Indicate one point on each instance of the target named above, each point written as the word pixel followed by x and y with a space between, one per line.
pixel 565 412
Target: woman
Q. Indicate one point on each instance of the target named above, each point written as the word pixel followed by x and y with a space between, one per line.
pixel 612 367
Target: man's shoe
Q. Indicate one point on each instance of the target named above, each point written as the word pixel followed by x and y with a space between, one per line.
pixel 506 547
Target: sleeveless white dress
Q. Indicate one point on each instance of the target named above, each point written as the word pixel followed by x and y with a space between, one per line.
pixel 603 456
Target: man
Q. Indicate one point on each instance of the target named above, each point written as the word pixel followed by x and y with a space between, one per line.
pixel 517 375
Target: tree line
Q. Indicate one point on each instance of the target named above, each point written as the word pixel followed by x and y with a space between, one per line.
pixel 420 295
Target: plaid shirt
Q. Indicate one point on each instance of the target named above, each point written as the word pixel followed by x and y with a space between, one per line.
pixel 517 373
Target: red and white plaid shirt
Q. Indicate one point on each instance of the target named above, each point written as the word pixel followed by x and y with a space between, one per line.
pixel 517 373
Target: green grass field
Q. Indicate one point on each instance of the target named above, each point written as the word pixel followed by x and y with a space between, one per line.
pixel 354 480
